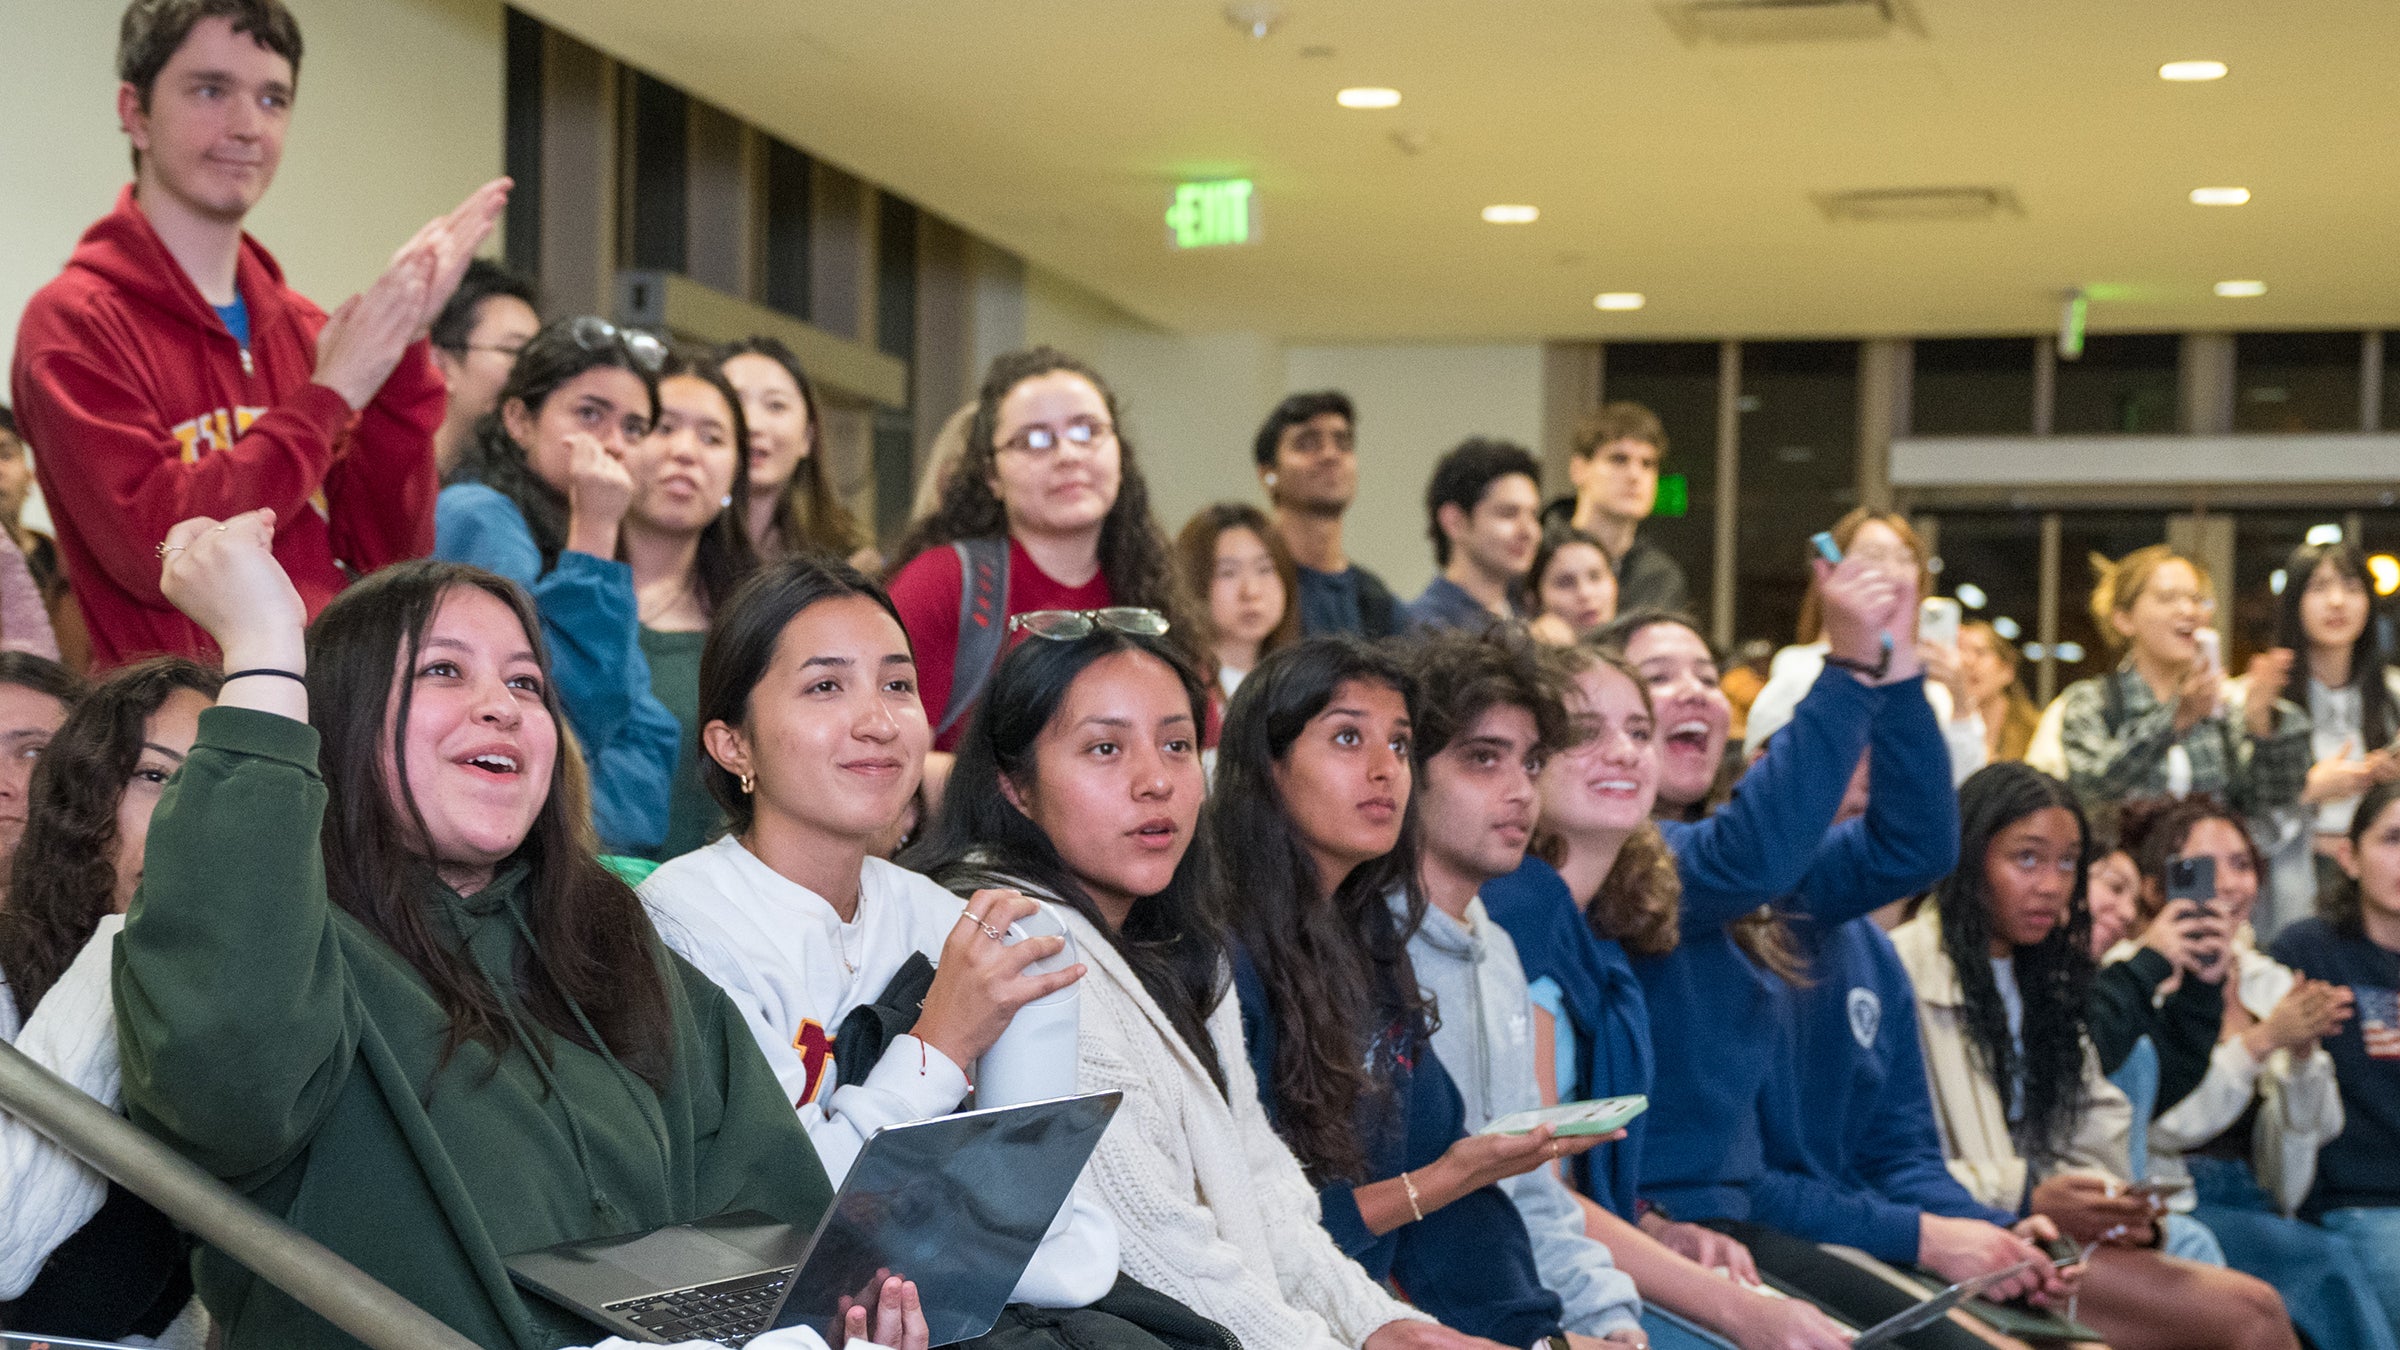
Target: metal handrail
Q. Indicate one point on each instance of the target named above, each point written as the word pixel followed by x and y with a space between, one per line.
pixel 300 1266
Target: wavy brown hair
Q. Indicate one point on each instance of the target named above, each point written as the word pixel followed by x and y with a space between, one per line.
pixel 1133 554
pixel 63 880
pixel 593 967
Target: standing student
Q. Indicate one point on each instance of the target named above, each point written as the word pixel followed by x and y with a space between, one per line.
pixel 1229 555
pixel 80 1256
pixel 476 338
pixel 454 1034
pixel 1572 590
pixel 1483 512
pixel 2162 722
pixel 683 537
pixel 1614 467
pixel 1314 826
pixel 1048 511
pixel 35 697
pixel 1307 457
pixel 1987 666
pixel 2000 961
pixel 2344 679
pixel 2355 941
pixel 2247 1095
pixel 1603 885
pixel 540 498
pixel 1491 714
pixel 815 744
pixel 1082 785
pixel 793 507
pixel 170 372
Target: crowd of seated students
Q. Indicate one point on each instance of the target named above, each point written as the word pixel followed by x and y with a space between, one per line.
pixel 507 809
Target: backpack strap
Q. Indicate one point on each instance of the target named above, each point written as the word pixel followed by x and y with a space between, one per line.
pixel 2112 702
pixel 982 626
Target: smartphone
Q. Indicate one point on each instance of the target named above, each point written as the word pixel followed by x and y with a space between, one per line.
pixel 1938 618
pixel 2192 879
pixel 1573 1118
pixel 2212 648
pixel 1822 542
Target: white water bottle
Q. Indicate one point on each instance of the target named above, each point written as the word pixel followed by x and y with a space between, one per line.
pixel 1034 1059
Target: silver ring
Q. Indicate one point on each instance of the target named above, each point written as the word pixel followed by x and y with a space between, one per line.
pixel 221 529
pixel 988 931
pixel 165 549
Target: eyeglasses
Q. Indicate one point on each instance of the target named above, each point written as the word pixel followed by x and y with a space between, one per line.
pixel 1041 440
pixel 595 334
pixel 1068 625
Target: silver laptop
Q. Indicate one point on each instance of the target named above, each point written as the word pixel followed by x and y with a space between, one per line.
pixel 1933 1309
pixel 957 1203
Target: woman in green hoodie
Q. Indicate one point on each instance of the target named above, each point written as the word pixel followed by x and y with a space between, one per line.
pixel 374 978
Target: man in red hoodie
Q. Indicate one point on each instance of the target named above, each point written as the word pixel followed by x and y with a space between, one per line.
pixel 169 372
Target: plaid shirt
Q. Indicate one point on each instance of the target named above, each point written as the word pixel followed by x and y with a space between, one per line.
pixel 2108 764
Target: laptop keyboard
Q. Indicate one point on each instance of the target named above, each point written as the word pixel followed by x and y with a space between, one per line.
pixel 729 1312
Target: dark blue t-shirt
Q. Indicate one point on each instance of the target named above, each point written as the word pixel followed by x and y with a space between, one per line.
pixel 2361 1166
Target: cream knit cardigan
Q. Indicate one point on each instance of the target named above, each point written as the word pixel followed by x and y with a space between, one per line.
pixel 1211 1208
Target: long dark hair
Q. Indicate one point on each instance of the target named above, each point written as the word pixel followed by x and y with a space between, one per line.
pixel 64 877
pixel 1133 554
pixel 1336 970
pixel 2053 975
pixel 2345 906
pixel 726 554
pixel 741 646
pixel 2378 720
pixel 493 458
pixel 593 949
pixel 1172 941
pixel 809 516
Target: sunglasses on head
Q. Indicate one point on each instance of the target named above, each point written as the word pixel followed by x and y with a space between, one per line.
pixel 1067 625
pixel 598 335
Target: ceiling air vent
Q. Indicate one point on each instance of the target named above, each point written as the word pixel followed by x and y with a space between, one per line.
pixel 1925 203
pixel 1747 23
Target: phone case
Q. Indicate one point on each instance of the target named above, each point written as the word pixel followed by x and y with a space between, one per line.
pixel 1572 1119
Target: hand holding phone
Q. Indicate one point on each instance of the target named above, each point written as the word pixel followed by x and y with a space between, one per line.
pixel 1603 1115
pixel 1938 619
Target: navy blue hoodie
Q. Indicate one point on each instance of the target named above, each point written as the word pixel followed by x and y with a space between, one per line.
pixel 2362 1166
pixel 1846 1119
pixel 1715 1024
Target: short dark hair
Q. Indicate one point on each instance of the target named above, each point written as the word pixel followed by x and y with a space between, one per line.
pixel 1615 422
pixel 484 280
pixel 8 421
pixel 1295 411
pixel 152 31
pixel 1461 676
pixel 1461 477
pixel 43 676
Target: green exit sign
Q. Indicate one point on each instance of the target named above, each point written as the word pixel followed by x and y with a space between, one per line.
pixel 1207 215
pixel 1674 496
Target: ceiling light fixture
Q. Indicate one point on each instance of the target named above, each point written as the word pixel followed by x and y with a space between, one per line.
pixel 2241 290
pixel 1368 96
pixel 2190 72
pixel 2220 196
pixel 1511 215
pixel 1619 300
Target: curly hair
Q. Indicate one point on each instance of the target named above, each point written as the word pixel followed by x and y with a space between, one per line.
pixel 1133 554
pixel 2054 976
pixel 1640 902
pixel 2153 830
pixel 1337 969
pixel 63 879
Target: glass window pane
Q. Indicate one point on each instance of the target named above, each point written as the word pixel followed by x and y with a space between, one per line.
pixel 2123 383
pixel 896 278
pixel 658 125
pixel 1990 565
pixel 522 142
pixel 1972 387
pixel 2391 381
pixel 1678 381
pixel 785 247
pixel 1799 447
pixel 2295 381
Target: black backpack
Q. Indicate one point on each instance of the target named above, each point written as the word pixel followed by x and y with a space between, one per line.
pixel 982 624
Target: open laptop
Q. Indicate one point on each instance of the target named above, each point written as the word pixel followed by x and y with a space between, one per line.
pixel 957 1203
pixel 1929 1311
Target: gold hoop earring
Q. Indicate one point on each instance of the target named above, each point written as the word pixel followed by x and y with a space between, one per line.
pixel 748 783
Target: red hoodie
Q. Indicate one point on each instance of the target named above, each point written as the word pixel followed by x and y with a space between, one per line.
pixel 143 411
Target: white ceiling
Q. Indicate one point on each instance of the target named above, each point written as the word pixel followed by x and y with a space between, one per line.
pixel 1057 127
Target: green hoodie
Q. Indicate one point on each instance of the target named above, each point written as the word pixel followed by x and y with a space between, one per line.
pixel 282 1046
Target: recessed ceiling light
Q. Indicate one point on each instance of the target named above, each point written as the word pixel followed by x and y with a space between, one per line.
pixel 2190 71
pixel 2235 290
pixel 1618 300
pixel 1511 215
pixel 2220 196
pixel 1368 97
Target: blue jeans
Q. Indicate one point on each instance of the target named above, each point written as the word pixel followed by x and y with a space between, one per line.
pixel 2373 1237
pixel 2324 1285
pixel 1669 1332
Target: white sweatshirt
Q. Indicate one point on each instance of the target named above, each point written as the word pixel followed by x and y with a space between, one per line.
pixel 796 970
pixel 49 1194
